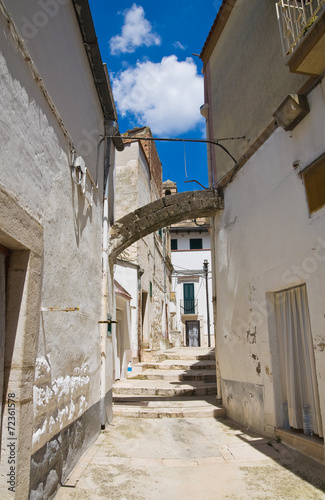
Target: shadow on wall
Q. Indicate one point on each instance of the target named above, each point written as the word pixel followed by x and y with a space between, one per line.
pixel 81 209
pixel 16 279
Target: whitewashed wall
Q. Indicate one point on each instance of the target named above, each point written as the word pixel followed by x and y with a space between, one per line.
pixel 35 171
pixel 267 241
pixel 185 259
pixel 127 275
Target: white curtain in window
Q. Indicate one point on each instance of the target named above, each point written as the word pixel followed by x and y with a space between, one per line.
pixel 296 354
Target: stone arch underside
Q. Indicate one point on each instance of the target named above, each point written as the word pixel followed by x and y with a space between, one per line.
pixel 162 213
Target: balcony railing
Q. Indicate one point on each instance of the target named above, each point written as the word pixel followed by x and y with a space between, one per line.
pixel 295 17
pixel 189 306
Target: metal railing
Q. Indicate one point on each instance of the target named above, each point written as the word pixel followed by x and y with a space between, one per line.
pixel 189 306
pixel 295 18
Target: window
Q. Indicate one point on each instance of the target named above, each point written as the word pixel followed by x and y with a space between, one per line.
pixel 314 178
pixel 173 244
pixel 196 244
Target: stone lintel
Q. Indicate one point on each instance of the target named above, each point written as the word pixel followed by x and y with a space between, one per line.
pixel 162 214
pixel 151 207
pixel 185 207
pixel 127 219
pixel 173 210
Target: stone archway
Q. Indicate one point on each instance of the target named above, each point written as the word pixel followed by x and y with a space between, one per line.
pixel 162 213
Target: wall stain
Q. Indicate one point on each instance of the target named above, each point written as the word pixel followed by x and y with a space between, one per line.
pixel 229 398
pixel 229 223
pixel 258 367
pixel 321 347
pixel 251 336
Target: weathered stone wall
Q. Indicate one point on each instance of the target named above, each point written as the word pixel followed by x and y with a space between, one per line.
pixel 135 188
pixel 59 265
pixel 153 160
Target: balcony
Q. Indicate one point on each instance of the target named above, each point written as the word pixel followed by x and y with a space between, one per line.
pixel 302 31
pixel 189 306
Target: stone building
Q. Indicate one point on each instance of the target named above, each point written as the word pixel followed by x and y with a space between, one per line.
pixel 56 175
pixel 144 268
pixel 191 281
pixel 263 69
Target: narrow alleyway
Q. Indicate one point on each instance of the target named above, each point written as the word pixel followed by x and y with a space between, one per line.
pixel 201 456
pixel 190 459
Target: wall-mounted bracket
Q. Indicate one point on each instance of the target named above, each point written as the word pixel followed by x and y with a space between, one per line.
pixel 109 321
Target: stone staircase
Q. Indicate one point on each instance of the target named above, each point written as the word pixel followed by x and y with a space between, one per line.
pixel 177 382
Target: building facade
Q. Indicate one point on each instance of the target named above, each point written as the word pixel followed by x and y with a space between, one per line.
pixel 143 269
pixel 56 171
pixel 192 280
pixel 266 86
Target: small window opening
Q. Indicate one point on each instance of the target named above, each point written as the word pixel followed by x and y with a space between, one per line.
pixel 196 244
pixel 173 244
pixel 314 178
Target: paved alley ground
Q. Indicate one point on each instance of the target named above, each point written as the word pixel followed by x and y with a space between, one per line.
pixel 190 459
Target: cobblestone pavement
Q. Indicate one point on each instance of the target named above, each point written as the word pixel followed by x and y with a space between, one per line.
pixel 190 459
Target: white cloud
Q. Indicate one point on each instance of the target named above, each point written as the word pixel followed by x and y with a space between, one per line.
pixel 165 96
pixel 136 31
pixel 179 45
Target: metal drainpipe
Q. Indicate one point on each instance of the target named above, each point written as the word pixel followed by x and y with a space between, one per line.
pixel 215 230
pixel 210 155
pixel 165 277
pixel 109 127
pixel 205 268
pixel 139 319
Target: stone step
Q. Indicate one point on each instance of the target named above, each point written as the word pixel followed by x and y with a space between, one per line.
pixel 174 411
pixel 155 407
pixel 189 357
pixel 175 383
pixel 175 375
pixel 180 353
pixel 169 364
pixel 163 388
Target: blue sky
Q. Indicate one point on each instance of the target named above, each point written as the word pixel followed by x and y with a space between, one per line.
pixel 156 80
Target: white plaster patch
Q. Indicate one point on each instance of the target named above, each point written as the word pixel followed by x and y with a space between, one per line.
pixel 66 398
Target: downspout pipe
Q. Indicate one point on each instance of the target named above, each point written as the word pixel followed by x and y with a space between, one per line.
pixel 112 128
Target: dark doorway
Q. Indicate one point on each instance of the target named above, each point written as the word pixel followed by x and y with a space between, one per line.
pixel 144 341
pixel 193 333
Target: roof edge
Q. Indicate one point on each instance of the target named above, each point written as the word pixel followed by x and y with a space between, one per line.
pixel 216 29
pixel 99 71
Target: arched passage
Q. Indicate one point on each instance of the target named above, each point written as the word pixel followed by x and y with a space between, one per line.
pixel 162 213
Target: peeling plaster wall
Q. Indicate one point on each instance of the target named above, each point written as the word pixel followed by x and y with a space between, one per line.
pixel 58 402
pixel 35 170
pixel 267 241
